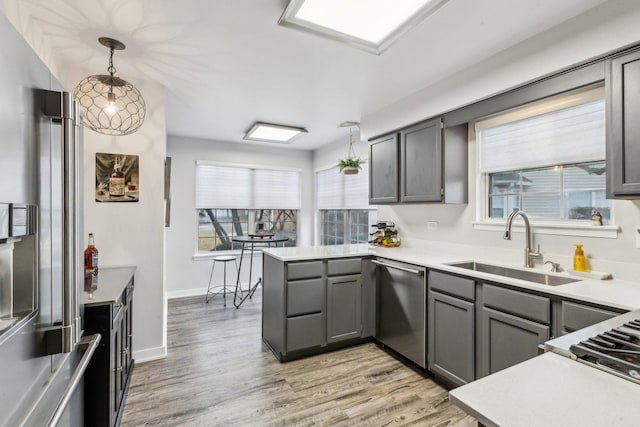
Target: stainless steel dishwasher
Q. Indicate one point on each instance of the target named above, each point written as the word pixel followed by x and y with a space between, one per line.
pixel 401 308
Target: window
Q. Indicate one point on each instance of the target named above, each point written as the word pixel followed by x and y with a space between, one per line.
pixel 546 159
pixel 563 192
pixel 233 200
pixel 343 207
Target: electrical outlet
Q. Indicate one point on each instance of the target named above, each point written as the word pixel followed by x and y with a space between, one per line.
pixel 432 225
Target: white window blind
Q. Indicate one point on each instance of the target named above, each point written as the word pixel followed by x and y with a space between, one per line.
pixel 338 191
pixel 570 135
pixel 276 189
pixel 230 187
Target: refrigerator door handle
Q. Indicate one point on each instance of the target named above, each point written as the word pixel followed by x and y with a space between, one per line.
pixel 89 345
pixel 62 339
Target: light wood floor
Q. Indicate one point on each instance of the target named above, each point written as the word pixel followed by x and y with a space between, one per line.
pixel 219 373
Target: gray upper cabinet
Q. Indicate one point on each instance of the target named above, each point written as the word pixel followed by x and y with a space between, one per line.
pixel 421 162
pixel 344 318
pixel 623 126
pixel 383 170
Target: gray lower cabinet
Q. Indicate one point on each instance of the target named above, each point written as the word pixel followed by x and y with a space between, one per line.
pixel 344 302
pixel 304 331
pixel 576 316
pixel 451 343
pixel 513 325
pixel 309 305
pixel 305 311
pixel 508 340
pixel 623 127
pixel 383 170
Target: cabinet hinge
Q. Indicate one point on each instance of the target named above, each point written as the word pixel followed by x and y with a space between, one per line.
pixel 441 125
pixel 442 191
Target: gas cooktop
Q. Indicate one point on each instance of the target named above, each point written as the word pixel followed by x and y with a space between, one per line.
pixel 612 346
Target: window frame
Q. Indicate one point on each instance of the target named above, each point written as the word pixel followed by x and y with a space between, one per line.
pixel 199 255
pixel 482 182
pixel 346 225
pixel 251 222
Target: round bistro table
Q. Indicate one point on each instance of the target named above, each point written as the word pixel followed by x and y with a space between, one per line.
pixel 252 243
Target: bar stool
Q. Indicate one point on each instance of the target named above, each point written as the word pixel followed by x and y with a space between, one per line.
pixel 224 259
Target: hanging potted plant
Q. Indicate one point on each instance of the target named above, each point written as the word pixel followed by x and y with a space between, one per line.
pixel 351 164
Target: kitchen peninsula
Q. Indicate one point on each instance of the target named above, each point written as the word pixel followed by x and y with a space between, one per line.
pixel 297 299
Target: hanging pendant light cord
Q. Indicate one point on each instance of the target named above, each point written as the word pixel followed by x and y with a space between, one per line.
pixel 111 69
pixel 351 154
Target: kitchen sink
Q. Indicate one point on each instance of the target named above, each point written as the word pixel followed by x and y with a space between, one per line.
pixel 514 273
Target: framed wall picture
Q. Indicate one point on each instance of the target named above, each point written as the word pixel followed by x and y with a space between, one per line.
pixel 117 178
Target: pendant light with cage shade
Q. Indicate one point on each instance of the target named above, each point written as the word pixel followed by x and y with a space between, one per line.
pixel 108 104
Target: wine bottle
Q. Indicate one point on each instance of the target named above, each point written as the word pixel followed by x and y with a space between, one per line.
pixel 91 257
pixel 381 225
pixel 116 180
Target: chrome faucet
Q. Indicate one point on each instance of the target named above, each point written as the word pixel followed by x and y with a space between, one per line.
pixel 528 252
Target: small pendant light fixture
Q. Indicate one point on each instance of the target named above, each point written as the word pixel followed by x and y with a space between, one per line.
pixel 351 164
pixel 109 104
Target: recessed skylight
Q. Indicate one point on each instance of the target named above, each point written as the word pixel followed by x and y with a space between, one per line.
pixel 273 133
pixel 371 25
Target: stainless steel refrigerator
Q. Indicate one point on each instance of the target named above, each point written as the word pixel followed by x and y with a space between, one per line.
pixel 42 351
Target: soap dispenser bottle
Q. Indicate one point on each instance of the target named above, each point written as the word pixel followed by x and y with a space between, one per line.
pixel 579 260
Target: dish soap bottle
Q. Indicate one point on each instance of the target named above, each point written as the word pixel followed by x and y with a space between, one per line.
pixel 579 260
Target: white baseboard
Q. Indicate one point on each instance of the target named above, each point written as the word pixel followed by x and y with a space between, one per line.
pixel 149 354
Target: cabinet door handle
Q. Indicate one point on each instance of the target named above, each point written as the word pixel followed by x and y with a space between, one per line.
pixel 397 267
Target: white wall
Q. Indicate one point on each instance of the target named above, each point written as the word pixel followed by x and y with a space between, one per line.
pixel 188 276
pixel 606 28
pixel 126 233
pixel 328 156
pixel 133 233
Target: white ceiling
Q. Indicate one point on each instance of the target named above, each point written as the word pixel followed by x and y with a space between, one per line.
pixel 227 64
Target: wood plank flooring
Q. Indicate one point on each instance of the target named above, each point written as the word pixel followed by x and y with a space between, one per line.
pixel 218 372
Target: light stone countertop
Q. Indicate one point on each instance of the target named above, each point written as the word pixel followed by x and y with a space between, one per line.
pixel 618 294
pixel 551 390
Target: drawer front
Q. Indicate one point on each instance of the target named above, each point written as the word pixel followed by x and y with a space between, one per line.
pixel 304 297
pixel 452 285
pixel 304 332
pixel 342 267
pixel 532 307
pixel 578 316
pixel 304 270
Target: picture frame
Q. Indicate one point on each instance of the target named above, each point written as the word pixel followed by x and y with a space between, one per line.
pixel 117 178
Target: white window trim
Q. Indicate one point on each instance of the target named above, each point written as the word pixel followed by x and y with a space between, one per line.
pixel 558 228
